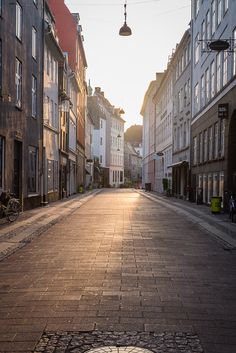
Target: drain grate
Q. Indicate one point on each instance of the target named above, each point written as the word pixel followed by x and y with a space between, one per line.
pixel 118 342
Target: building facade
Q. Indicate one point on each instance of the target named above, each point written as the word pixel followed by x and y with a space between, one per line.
pixel 132 166
pixel 214 88
pixel 148 137
pixel 71 42
pixel 181 66
pixel 52 58
pixel 163 101
pixel 21 100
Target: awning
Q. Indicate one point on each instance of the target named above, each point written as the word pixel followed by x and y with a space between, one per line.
pixel 178 164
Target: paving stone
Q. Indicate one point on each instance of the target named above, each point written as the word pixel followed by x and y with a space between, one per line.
pixel 130 341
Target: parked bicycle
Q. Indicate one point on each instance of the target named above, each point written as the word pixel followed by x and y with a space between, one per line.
pixel 232 207
pixel 9 206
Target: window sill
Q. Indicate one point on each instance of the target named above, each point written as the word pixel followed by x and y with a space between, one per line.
pixel 33 194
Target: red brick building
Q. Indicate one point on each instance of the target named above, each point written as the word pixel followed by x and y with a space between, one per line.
pixel 71 41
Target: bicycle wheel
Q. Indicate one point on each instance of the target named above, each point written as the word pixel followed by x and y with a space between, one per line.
pixel 13 210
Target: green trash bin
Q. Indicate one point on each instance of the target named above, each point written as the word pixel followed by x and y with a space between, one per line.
pixel 216 204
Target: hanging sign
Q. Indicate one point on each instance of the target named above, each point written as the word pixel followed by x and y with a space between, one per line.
pixel 223 111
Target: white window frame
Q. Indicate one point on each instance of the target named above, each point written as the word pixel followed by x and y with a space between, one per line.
pixel 34 96
pixel 19 21
pixel 213 17
pixel 212 79
pixel 218 72
pixel 34 43
pixel 18 81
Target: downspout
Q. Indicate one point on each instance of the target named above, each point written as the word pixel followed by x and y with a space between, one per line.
pixel 42 182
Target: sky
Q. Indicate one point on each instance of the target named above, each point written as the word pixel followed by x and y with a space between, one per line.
pixel 124 66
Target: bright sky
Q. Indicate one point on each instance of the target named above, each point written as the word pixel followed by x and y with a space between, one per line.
pixel 124 66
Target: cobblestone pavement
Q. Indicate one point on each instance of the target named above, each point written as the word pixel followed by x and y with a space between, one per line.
pixel 83 342
pixel 120 265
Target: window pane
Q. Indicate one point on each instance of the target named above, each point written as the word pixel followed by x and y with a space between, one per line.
pixel 18 21
pixel 34 35
pixel 34 96
pixel 1 160
pixel 18 83
pixel 32 170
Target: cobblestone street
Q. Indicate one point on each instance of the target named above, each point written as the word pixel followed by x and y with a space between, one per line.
pixel 120 270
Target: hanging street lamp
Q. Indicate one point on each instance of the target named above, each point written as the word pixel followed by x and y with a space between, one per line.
pixel 125 30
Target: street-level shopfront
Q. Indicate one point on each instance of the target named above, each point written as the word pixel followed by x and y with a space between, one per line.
pixel 213 169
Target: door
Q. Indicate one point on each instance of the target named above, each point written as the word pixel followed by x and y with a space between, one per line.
pixel 17 168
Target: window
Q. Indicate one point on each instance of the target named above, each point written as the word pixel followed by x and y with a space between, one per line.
pixel 185 94
pixel 226 5
pixel 100 158
pixel 196 7
pixel 1 162
pixel 203 33
pixel 207 85
pixel 19 18
pixel 222 138
pixel 219 12
pixel 0 66
pixel 200 147
pixel 34 96
pixel 121 176
pixel 213 17
pixel 225 68
pixel 234 54
pixel 195 150
pixel 196 49
pixel 212 79
pixel 33 170
pixel 101 124
pixel 208 28
pixel 218 72
pixel 50 174
pixel 205 138
pixel 210 139
pixel 216 140
pixel 0 7
pixel 185 135
pixel 101 141
pixel 18 83
pixel 34 40
pixel 196 98
pixel 202 91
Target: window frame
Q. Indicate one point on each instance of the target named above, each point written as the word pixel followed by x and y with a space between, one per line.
pixel 19 21
pixel 18 82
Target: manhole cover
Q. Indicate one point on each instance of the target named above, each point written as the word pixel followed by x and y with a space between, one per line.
pixel 114 349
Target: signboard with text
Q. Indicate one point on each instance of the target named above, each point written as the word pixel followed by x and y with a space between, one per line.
pixel 223 111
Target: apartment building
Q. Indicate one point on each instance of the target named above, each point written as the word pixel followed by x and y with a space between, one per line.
pixel 52 58
pixel 213 100
pixel 21 108
pixel 149 127
pixel 181 66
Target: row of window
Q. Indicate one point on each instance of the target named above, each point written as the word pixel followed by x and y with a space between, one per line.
pixel 208 26
pixel 211 184
pixel 50 112
pixel 117 176
pixel 51 66
pixel 19 29
pixel 182 99
pixel 164 129
pixel 18 82
pixel 181 136
pixel 183 61
pixel 209 144
pixel 215 77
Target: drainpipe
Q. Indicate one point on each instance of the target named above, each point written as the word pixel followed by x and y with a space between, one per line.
pixel 42 175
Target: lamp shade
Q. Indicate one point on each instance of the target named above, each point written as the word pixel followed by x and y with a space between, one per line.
pixel 125 30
